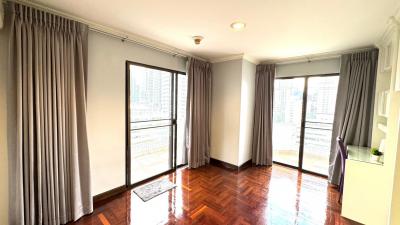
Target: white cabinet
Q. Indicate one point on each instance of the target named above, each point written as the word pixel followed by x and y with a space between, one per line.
pixel 363 199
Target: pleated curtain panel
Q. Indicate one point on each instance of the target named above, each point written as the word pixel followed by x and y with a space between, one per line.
pixel 263 108
pixel 198 127
pixel 50 174
pixel 354 105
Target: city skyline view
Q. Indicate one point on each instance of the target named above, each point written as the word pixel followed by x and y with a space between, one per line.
pixel 287 117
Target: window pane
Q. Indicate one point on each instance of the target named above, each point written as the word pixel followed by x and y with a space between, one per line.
pixel 288 99
pixel 321 100
pixel 181 119
pixel 151 122
pixel 150 94
pixel 150 152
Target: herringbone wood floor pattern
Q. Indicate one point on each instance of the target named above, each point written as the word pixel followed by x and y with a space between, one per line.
pixel 274 195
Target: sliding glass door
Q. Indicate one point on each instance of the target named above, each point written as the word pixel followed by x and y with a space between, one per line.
pixel 181 157
pixel 155 111
pixel 288 106
pixel 302 125
pixel 321 100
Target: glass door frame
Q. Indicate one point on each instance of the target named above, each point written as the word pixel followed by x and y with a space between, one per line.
pixel 173 125
pixel 303 121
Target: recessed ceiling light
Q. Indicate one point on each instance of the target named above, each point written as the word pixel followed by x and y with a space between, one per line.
pixel 238 26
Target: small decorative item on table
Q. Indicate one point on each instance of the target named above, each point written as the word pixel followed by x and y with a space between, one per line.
pixel 376 154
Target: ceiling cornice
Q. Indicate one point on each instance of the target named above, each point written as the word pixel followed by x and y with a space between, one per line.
pixel 235 57
pixel 251 59
pixel 393 21
pixel 316 57
pixel 227 58
pixel 111 31
pixel 301 59
pixel 156 45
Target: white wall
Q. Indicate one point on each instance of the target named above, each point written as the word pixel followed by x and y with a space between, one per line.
pixel 225 113
pixel 106 104
pixel 246 111
pixel 232 111
pixel 325 66
pixel 3 127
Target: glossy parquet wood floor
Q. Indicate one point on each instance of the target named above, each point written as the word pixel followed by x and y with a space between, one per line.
pixel 274 195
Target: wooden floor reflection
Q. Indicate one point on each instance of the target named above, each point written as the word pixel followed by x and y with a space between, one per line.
pixel 211 195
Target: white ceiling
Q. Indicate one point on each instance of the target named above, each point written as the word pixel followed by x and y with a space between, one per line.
pixel 275 28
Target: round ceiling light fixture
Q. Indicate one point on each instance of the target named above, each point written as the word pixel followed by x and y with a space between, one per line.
pixel 197 39
pixel 238 26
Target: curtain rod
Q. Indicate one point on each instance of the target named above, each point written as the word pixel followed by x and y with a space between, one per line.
pixel 112 32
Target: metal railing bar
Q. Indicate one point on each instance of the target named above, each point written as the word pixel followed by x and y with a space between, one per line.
pixel 143 121
pixel 317 122
pixel 316 128
pixel 168 125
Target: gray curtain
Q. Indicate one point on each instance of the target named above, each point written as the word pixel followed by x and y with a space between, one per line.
pixel 263 107
pixel 198 120
pixel 50 165
pixel 354 105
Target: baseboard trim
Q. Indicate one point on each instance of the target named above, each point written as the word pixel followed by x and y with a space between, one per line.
pixel 108 195
pixel 230 167
pixel 224 165
pixel 246 165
